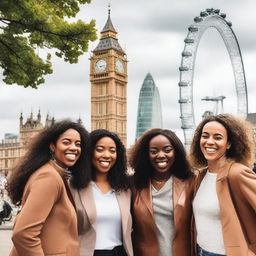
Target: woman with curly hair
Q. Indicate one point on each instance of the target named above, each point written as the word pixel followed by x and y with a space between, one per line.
pixel 161 200
pixel 47 223
pixel 103 204
pixel 225 190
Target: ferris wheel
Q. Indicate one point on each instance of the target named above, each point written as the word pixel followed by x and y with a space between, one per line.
pixel 208 18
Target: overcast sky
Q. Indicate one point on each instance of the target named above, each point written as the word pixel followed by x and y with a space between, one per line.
pixel 152 34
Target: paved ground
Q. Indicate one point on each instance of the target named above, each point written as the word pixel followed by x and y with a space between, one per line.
pixel 5 238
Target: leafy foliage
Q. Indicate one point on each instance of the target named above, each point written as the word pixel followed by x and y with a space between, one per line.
pixel 28 25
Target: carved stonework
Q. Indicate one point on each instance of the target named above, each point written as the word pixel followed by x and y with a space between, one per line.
pixel 108 77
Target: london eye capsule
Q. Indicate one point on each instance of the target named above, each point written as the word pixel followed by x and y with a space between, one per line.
pixel 189 41
pixel 192 28
pixel 198 19
pixel 203 14
pixel 223 15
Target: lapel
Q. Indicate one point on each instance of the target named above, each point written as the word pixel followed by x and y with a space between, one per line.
pixel 177 188
pixel 123 199
pixel 69 192
pixel 146 197
pixel 224 172
pixel 60 170
pixel 199 177
pixel 88 203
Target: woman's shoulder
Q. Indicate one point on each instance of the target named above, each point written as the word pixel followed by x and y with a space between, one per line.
pixel 86 189
pixel 239 171
pixel 46 172
pixel 237 168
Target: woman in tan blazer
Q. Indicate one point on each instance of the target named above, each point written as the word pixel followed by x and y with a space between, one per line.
pixel 103 201
pixel 161 200
pixel 46 224
pixel 225 189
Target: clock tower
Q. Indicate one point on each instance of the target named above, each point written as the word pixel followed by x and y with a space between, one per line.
pixel 108 77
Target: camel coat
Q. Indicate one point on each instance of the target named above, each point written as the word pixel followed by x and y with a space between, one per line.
pixel 87 219
pixel 145 241
pixel 46 224
pixel 236 191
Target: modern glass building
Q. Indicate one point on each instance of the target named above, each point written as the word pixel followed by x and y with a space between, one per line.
pixel 149 107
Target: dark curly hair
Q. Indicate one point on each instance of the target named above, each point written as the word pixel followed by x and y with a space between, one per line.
pixel 140 162
pixel 39 154
pixel 239 136
pixel 117 175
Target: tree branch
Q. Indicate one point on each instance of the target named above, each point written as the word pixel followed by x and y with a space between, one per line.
pixel 10 49
pixel 35 28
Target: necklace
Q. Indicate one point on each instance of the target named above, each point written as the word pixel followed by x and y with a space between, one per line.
pixel 159 181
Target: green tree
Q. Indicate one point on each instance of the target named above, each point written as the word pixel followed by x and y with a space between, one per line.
pixel 29 25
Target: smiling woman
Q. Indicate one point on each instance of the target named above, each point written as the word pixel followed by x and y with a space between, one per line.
pixel 161 196
pixel 47 224
pixel 103 204
pixel 225 197
pixel 67 148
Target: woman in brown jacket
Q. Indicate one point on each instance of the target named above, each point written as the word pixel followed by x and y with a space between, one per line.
pixel 46 224
pixel 161 200
pixel 225 190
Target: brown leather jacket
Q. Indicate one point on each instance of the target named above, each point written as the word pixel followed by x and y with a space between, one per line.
pixel 236 191
pixel 144 233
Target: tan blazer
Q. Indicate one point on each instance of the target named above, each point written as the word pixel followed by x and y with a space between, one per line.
pixel 145 241
pixel 46 224
pixel 236 191
pixel 87 219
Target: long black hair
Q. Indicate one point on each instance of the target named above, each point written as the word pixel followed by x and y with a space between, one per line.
pixel 117 175
pixel 39 154
pixel 139 158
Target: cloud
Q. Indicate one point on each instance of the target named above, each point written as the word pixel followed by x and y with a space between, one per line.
pixel 152 34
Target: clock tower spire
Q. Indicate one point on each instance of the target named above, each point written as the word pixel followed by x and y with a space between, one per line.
pixel 108 77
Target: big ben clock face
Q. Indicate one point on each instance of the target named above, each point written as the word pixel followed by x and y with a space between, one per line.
pixel 100 65
pixel 119 66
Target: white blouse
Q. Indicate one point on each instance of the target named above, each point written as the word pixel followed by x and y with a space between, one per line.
pixel 163 215
pixel 207 216
pixel 108 227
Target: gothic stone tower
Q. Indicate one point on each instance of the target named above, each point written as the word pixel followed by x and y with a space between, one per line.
pixel 29 129
pixel 108 76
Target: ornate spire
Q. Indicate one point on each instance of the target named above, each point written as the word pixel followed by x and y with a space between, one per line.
pixel 109 26
pixel 21 119
pixel 79 120
pixel 39 116
pixel 108 38
pixel 109 5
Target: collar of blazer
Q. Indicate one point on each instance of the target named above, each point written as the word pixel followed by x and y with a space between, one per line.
pixel 61 172
pixel 177 188
pixel 87 199
pixel 58 168
pixel 222 173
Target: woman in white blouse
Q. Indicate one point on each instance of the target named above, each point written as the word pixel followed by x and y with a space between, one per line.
pixel 225 190
pixel 103 200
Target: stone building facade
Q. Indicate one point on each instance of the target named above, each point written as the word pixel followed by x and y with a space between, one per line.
pixel 12 149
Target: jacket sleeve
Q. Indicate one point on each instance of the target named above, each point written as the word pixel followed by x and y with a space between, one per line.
pixel 244 181
pixel 40 197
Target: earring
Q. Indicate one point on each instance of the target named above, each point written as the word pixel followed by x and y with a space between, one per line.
pixel 52 154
